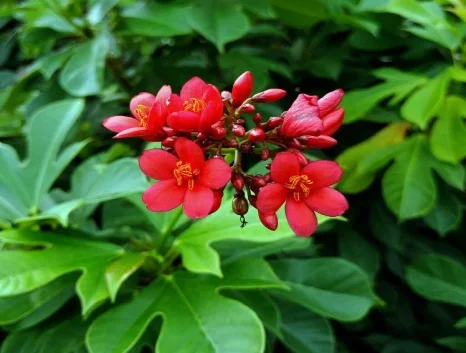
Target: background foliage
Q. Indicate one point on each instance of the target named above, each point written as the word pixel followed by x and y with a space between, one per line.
pixel 82 266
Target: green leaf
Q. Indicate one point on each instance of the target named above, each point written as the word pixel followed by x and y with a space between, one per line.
pixel 24 185
pixel 194 301
pixel 24 271
pixel 456 343
pixel 118 271
pixel 219 22
pixel 439 278
pixel 15 308
pixel 83 74
pixel 461 323
pixel 374 153
pixel 408 186
pixel 330 287
pixel 422 106
pixel 50 63
pixel 454 175
pixel 447 213
pixel 63 337
pixel 304 331
pixel 98 9
pixel 358 250
pixel 449 131
pixel 305 14
pixel 156 20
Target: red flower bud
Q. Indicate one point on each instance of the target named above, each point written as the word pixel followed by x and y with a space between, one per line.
pixel 245 147
pixel 258 181
pixel 219 133
pixel 333 121
pixel 257 119
pixel 240 122
pixel 274 122
pixel 270 95
pixel 256 135
pixel 231 143
pixel 302 118
pixel 237 181
pixel 252 200
pixel 269 220
pixel 249 108
pixel 218 195
pixel 294 143
pixel 238 130
pixel 242 88
pixel 169 131
pixel 330 101
pixel 226 95
pixel 322 141
pixel 168 142
pixel 239 205
pixel 202 136
pixel 268 178
pixel 265 154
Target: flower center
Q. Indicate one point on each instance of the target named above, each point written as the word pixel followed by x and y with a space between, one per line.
pixel 142 111
pixel 184 172
pixel 299 184
pixel 194 105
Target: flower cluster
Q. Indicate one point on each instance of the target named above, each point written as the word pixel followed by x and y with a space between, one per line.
pixel 201 129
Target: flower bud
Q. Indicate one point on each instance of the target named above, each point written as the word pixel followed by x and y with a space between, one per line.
pixel 257 119
pixel 333 121
pixel 269 220
pixel 218 195
pixel 202 136
pixel 219 133
pixel 268 178
pixel 252 200
pixel 169 131
pixel 322 141
pixel 249 108
pixel 240 122
pixel 274 122
pixel 256 135
pixel 242 88
pixel 237 181
pixel 270 95
pixel 265 154
pixel 239 205
pixel 294 143
pixel 258 181
pixel 246 147
pixel 168 142
pixel 231 143
pixel 226 95
pixel 238 130
pixel 330 101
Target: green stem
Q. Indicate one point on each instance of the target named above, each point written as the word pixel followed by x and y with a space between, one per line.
pixel 167 230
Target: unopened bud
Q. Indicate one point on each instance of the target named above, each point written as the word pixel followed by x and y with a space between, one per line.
pixel 169 131
pixel 294 143
pixel 258 181
pixel 226 95
pixel 168 142
pixel 240 122
pixel 245 147
pixel 238 130
pixel 274 122
pixel 219 133
pixel 237 181
pixel 252 200
pixel 231 143
pixel 249 108
pixel 242 88
pixel 268 178
pixel 270 95
pixel 269 220
pixel 218 195
pixel 239 205
pixel 257 119
pixel 322 141
pixel 265 154
pixel 256 135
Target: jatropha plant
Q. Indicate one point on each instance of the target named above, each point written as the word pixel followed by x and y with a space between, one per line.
pixel 201 127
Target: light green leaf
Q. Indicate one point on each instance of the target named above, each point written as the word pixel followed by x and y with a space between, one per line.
pixel 219 22
pixel 373 153
pixel 449 131
pixel 50 63
pixel 456 343
pixel 118 271
pixel 98 9
pixel 330 287
pixel 439 278
pixel 304 331
pixel 156 20
pixel 83 74
pixel 15 308
pixel 422 106
pixel 447 213
pixel 193 300
pixel 461 323
pixel 24 270
pixel 358 250
pixel 454 175
pixel 408 186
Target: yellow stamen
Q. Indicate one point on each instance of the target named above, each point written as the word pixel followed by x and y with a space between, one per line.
pixel 142 112
pixel 299 182
pixel 183 172
pixel 194 105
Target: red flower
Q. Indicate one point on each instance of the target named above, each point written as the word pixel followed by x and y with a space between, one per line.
pixel 305 189
pixel 186 179
pixel 242 88
pixel 302 118
pixel 332 118
pixel 149 113
pixel 197 108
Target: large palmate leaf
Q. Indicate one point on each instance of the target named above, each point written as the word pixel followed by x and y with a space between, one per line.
pixel 438 277
pixel 331 287
pixel 25 270
pixel 188 302
pixel 24 185
pixel 195 244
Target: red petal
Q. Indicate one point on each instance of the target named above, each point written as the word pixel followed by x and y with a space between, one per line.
pixel 183 121
pixel 215 174
pixel 218 195
pixel 301 219
pixel 164 196
pixel 302 118
pixel 322 141
pixel 210 115
pixel 330 101
pixel 269 220
pixel 156 119
pixel 327 201
pixel 271 197
pixel 333 121
pixel 284 166
pixel 145 99
pixel 322 173
pixel 194 88
pixel 158 164
pixel 198 202
pixel 174 104
pixel 190 152
pixel 164 93
pixel 133 132
pixel 119 123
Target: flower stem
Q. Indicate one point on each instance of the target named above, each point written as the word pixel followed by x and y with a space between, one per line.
pixel 169 227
